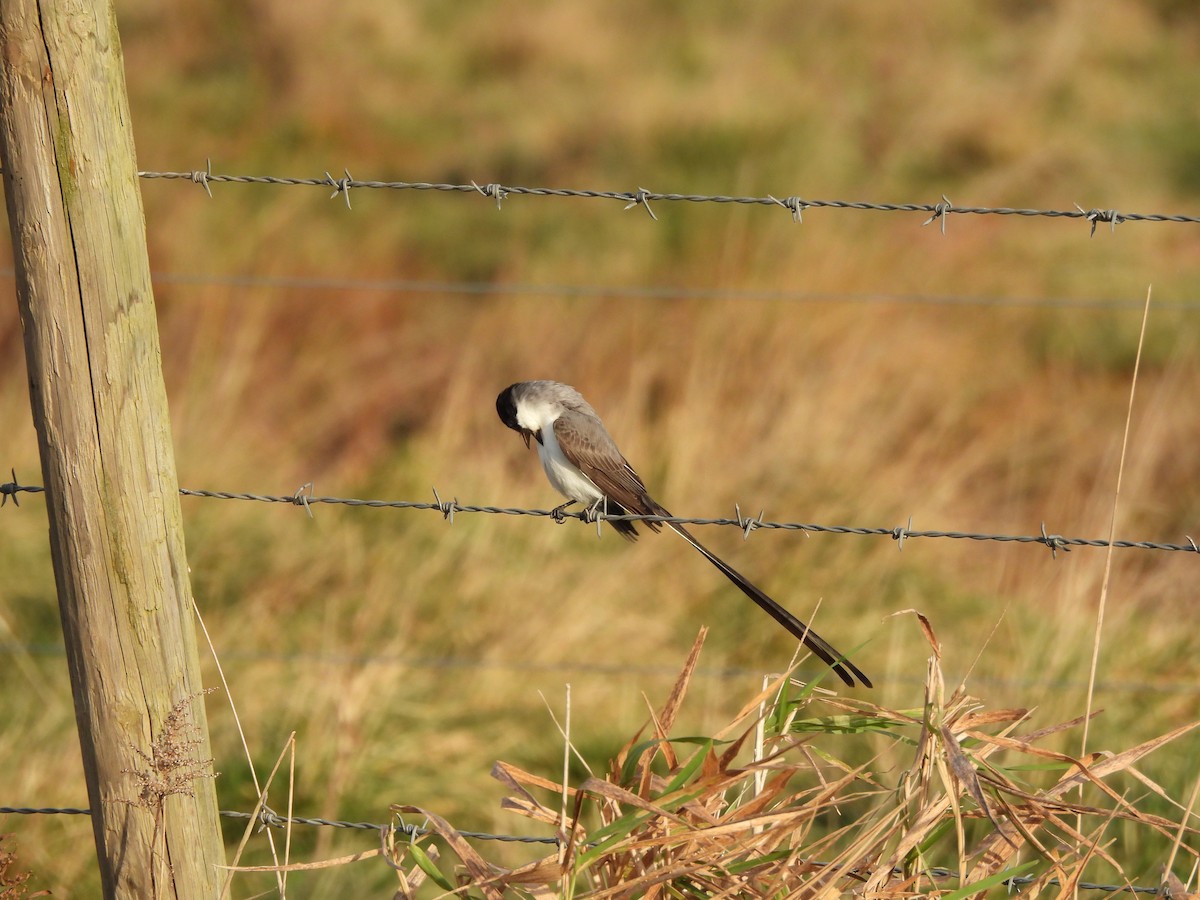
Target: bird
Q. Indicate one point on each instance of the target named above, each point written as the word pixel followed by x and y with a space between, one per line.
pixel 583 463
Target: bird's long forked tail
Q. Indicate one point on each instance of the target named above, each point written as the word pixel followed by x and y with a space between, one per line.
pixel 837 661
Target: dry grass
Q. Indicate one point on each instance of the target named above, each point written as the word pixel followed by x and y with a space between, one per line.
pixel 965 801
pixel 406 654
pixel 14 883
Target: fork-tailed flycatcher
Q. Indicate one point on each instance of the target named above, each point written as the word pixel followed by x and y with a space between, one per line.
pixel 584 465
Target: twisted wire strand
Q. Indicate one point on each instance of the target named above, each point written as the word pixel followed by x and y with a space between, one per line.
pixel 938 211
pixel 269 819
pixel 449 508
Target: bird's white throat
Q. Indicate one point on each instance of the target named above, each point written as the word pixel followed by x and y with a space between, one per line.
pixel 565 477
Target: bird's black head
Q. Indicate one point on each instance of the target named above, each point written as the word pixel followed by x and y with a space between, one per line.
pixel 506 408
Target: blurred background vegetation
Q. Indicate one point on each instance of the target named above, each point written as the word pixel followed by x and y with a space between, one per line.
pixel 975 381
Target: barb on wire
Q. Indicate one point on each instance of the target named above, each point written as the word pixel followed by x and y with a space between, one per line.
pixel 597 514
pixel 747 524
pixel 1095 216
pixel 14 488
pixel 445 508
pixel 941 212
pixel 270 819
pixel 794 205
pixel 937 212
pixel 340 186
pixel 641 198
pixel 1055 542
pixel 491 190
pixel 302 495
pixel 201 177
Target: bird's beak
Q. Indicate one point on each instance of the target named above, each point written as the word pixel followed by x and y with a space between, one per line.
pixel 526 434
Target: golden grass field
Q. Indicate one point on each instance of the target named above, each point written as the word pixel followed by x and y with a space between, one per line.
pixel 409 654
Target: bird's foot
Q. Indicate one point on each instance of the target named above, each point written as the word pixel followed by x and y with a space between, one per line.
pixel 592 513
pixel 557 514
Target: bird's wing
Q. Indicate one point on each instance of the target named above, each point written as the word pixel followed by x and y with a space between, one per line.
pixel 586 443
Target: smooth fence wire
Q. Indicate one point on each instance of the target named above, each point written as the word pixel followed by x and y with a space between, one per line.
pixel 578 668
pixel 938 211
pixel 269 819
pixel 419 287
pixel 655 292
pixel 449 508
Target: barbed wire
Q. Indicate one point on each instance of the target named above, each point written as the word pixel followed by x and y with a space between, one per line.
pixel 267 818
pixel 938 211
pixel 449 508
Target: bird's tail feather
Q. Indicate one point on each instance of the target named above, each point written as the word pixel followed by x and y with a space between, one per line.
pixel 836 660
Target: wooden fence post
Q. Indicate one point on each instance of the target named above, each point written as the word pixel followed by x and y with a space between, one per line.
pixel 99 403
